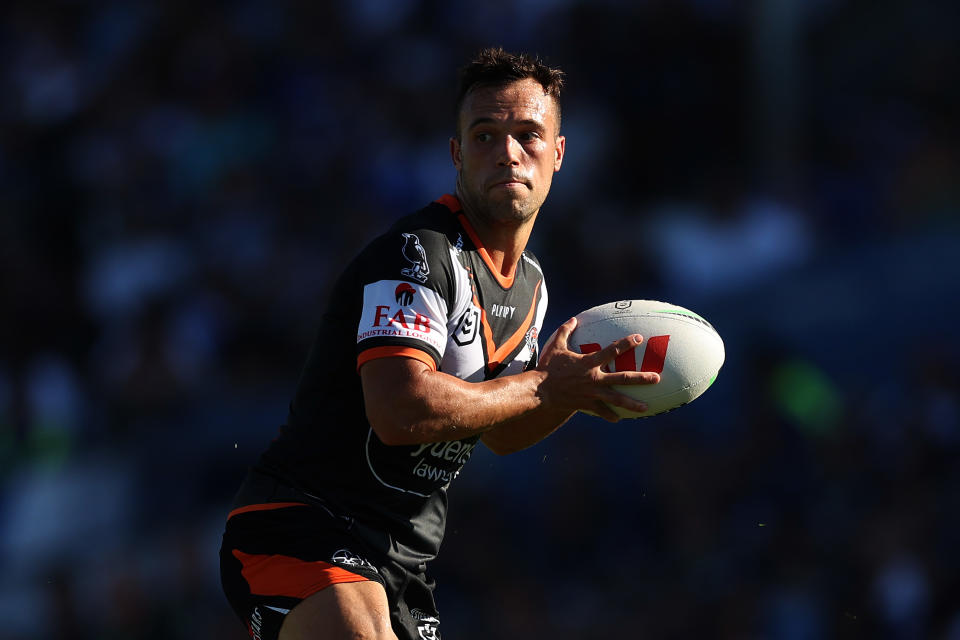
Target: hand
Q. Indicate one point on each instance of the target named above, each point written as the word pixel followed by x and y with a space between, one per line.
pixel 576 382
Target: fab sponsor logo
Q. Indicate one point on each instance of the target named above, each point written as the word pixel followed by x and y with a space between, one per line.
pixel 404 294
pixel 396 309
pixel 382 318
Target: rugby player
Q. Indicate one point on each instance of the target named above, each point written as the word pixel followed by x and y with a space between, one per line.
pixel 429 346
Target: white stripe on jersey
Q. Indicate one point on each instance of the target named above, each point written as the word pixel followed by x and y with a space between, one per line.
pixel 532 263
pixel 463 293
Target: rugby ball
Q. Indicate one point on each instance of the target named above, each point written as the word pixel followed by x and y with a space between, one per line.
pixel 678 344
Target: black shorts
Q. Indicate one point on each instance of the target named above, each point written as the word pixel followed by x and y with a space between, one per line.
pixel 281 546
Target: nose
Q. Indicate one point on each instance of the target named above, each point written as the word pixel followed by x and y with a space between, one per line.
pixel 509 152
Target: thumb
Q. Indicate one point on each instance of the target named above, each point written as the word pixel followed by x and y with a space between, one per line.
pixel 562 334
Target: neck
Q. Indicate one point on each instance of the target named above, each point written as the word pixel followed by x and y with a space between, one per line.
pixel 504 241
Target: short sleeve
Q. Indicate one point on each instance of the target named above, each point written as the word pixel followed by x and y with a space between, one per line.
pixel 405 292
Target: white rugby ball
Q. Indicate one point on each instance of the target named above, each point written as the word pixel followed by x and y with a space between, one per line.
pixel 678 344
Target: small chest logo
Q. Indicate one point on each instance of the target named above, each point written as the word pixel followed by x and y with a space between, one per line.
pixel 502 311
pixel 415 254
pixel 467 327
pixel 531 339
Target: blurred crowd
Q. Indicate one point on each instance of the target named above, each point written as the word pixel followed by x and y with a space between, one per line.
pixel 180 182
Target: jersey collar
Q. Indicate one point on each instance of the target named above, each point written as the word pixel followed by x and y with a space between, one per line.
pixel 452 203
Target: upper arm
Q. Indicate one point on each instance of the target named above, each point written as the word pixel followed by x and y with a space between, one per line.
pixel 394 395
pixel 405 293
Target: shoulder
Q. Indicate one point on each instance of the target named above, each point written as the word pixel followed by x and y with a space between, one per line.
pixel 416 248
pixel 530 259
pixel 433 227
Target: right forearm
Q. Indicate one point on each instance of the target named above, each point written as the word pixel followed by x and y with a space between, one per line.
pixel 431 406
pixel 408 402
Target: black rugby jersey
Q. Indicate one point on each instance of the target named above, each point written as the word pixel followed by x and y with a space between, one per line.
pixel 425 289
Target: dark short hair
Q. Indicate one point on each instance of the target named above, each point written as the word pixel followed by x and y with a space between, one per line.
pixel 494 67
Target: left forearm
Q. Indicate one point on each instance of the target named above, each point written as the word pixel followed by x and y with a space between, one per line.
pixel 525 431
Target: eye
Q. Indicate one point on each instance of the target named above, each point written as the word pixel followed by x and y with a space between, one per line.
pixel 482 137
pixel 527 136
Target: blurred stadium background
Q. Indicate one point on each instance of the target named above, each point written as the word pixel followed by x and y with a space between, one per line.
pixel 180 181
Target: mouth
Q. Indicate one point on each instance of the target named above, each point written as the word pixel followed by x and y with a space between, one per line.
pixel 511 183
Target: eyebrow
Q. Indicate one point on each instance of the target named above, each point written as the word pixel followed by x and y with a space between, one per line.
pixel 486 120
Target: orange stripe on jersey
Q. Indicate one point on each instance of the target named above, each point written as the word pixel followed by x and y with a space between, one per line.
pixel 266 506
pixel 395 351
pixel 450 202
pixel 495 354
pixel 276 575
pixel 520 333
pixel 505 281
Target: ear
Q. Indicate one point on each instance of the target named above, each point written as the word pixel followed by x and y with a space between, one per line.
pixel 455 154
pixel 561 148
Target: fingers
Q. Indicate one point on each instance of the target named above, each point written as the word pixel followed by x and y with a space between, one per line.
pixel 603 358
pixel 557 343
pixel 628 377
pixel 606 408
pixel 614 398
pixel 604 411
pixel 562 334
pixel 631 377
pixel 584 382
pixel 614 349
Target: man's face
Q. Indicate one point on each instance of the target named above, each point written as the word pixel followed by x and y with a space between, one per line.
pixel 507 150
